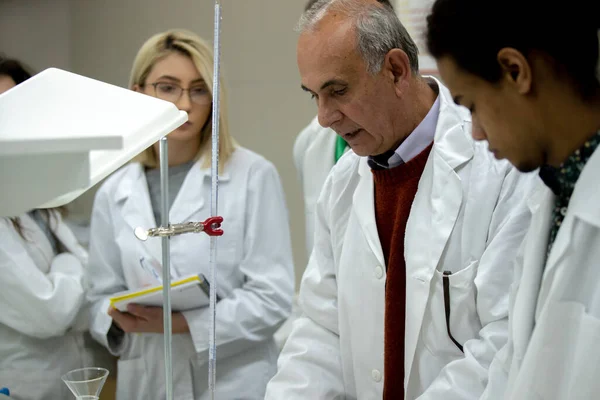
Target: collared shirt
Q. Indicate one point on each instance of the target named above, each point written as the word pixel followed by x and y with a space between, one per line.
pixel 413 145
pixel 562 182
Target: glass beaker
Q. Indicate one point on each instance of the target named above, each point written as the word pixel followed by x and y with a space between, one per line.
pixel 86 383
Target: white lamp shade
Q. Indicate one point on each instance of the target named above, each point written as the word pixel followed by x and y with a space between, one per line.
pixel 61 133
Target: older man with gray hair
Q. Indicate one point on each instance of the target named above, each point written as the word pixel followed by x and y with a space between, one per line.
pixel 406 291
pixel 316 150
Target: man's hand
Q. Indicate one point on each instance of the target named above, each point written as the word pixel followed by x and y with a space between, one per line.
pixel 146 319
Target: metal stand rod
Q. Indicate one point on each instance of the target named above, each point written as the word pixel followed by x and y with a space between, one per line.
pixel 166 266
pixel 212 350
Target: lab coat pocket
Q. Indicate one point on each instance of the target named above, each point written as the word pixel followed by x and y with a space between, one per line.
pixel 562 360
pixel 453 310
pixel 132 379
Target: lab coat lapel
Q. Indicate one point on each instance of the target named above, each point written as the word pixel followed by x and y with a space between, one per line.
pixel 136 209
pixel 190 199
pixel 433 214
pixel 61 232
pixel 68 239
pixel 364 209
pixel 523 317
pixel 583 208
pixel 40 244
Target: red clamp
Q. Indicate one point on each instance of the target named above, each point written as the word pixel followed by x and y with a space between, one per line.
pixel 212 226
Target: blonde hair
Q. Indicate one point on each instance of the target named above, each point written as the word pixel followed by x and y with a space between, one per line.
pixel 189 44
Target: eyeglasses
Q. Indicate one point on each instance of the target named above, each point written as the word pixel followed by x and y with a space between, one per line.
pixel 172 92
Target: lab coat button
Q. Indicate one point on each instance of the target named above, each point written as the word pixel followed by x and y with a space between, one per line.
pixel 378 272
pixel 376 375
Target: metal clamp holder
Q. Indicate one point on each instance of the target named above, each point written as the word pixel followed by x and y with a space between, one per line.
pixel 211 226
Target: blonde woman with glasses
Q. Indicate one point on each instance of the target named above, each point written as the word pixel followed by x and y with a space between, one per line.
pixel 254 255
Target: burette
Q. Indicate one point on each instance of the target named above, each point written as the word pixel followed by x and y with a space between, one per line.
pixel 214 193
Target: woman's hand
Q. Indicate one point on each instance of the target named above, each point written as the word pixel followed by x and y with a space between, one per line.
pixel 146 319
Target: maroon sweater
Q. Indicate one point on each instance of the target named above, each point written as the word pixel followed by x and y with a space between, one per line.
pixel 395 190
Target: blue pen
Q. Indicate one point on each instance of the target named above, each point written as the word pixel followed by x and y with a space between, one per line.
pixel 150 270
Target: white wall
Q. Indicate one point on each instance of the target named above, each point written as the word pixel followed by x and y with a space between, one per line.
pixel 36 31
pixel 99 38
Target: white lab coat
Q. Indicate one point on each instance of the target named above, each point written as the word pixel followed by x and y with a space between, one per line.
pixel 468 217
pixel 553 349
pixel 255 278
pixel 314 156
pixel 42 322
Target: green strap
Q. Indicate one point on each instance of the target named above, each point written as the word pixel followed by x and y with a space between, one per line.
pixel 340 147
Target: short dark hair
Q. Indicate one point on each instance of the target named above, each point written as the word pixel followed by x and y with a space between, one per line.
pixel 472 32
pixel 311 3
pixel 15 69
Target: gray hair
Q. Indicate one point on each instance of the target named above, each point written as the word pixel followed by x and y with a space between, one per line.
pixel 378 30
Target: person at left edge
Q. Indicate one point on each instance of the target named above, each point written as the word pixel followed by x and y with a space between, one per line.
pixel 43 317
